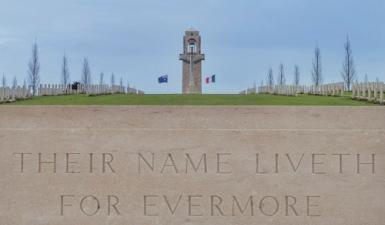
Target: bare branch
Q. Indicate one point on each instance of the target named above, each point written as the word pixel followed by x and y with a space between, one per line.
pixel 101 78
pixel 4 81
pixel 112 79
pixel 65 76
pixel 281 75
pixel 14 83
pixel 348 68
pixel 34 69
pixel 270 77
pixel 317 67
pixel 86 73
pixel 296 75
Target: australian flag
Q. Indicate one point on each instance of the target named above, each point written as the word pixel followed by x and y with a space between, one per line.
pixel 213 78
pixel 163 79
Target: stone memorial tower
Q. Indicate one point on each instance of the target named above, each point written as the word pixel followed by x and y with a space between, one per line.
pixel 192 62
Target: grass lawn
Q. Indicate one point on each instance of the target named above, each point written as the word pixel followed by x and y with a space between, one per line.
pixel 214 99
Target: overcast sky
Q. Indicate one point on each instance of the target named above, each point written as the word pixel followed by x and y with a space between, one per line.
pixel 140 40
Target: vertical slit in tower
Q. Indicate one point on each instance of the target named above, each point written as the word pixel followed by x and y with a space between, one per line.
pixel 191 76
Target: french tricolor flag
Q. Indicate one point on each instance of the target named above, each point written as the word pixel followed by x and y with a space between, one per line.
pixel 210 79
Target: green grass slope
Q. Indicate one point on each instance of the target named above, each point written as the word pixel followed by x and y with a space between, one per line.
pixel 215 99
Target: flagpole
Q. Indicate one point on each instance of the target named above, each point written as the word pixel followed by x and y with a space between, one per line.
pixel 168 86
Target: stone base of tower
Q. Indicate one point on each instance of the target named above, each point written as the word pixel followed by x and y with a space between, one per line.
pixel 193 86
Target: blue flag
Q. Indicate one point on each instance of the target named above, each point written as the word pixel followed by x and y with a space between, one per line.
pixel 213 78
pixel 163 79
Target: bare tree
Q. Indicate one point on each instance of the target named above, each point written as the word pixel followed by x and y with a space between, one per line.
pixel 121 82
pixel 14 83
pixel 366 80
pixel 297 75
pixel 65 73
pixel 101 78
pixel 34 69
pixel 4 81
pixel 270 77
pixel 317 67
pixel 348 70
pixel 112 79
pixel 86 73
pixel 281 75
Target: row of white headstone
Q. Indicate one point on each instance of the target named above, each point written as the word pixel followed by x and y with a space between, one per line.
pixel 93 89
pixel 335 89
pixel 249 91
pixel 373 92
pixel 292 90
pixel 8 94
